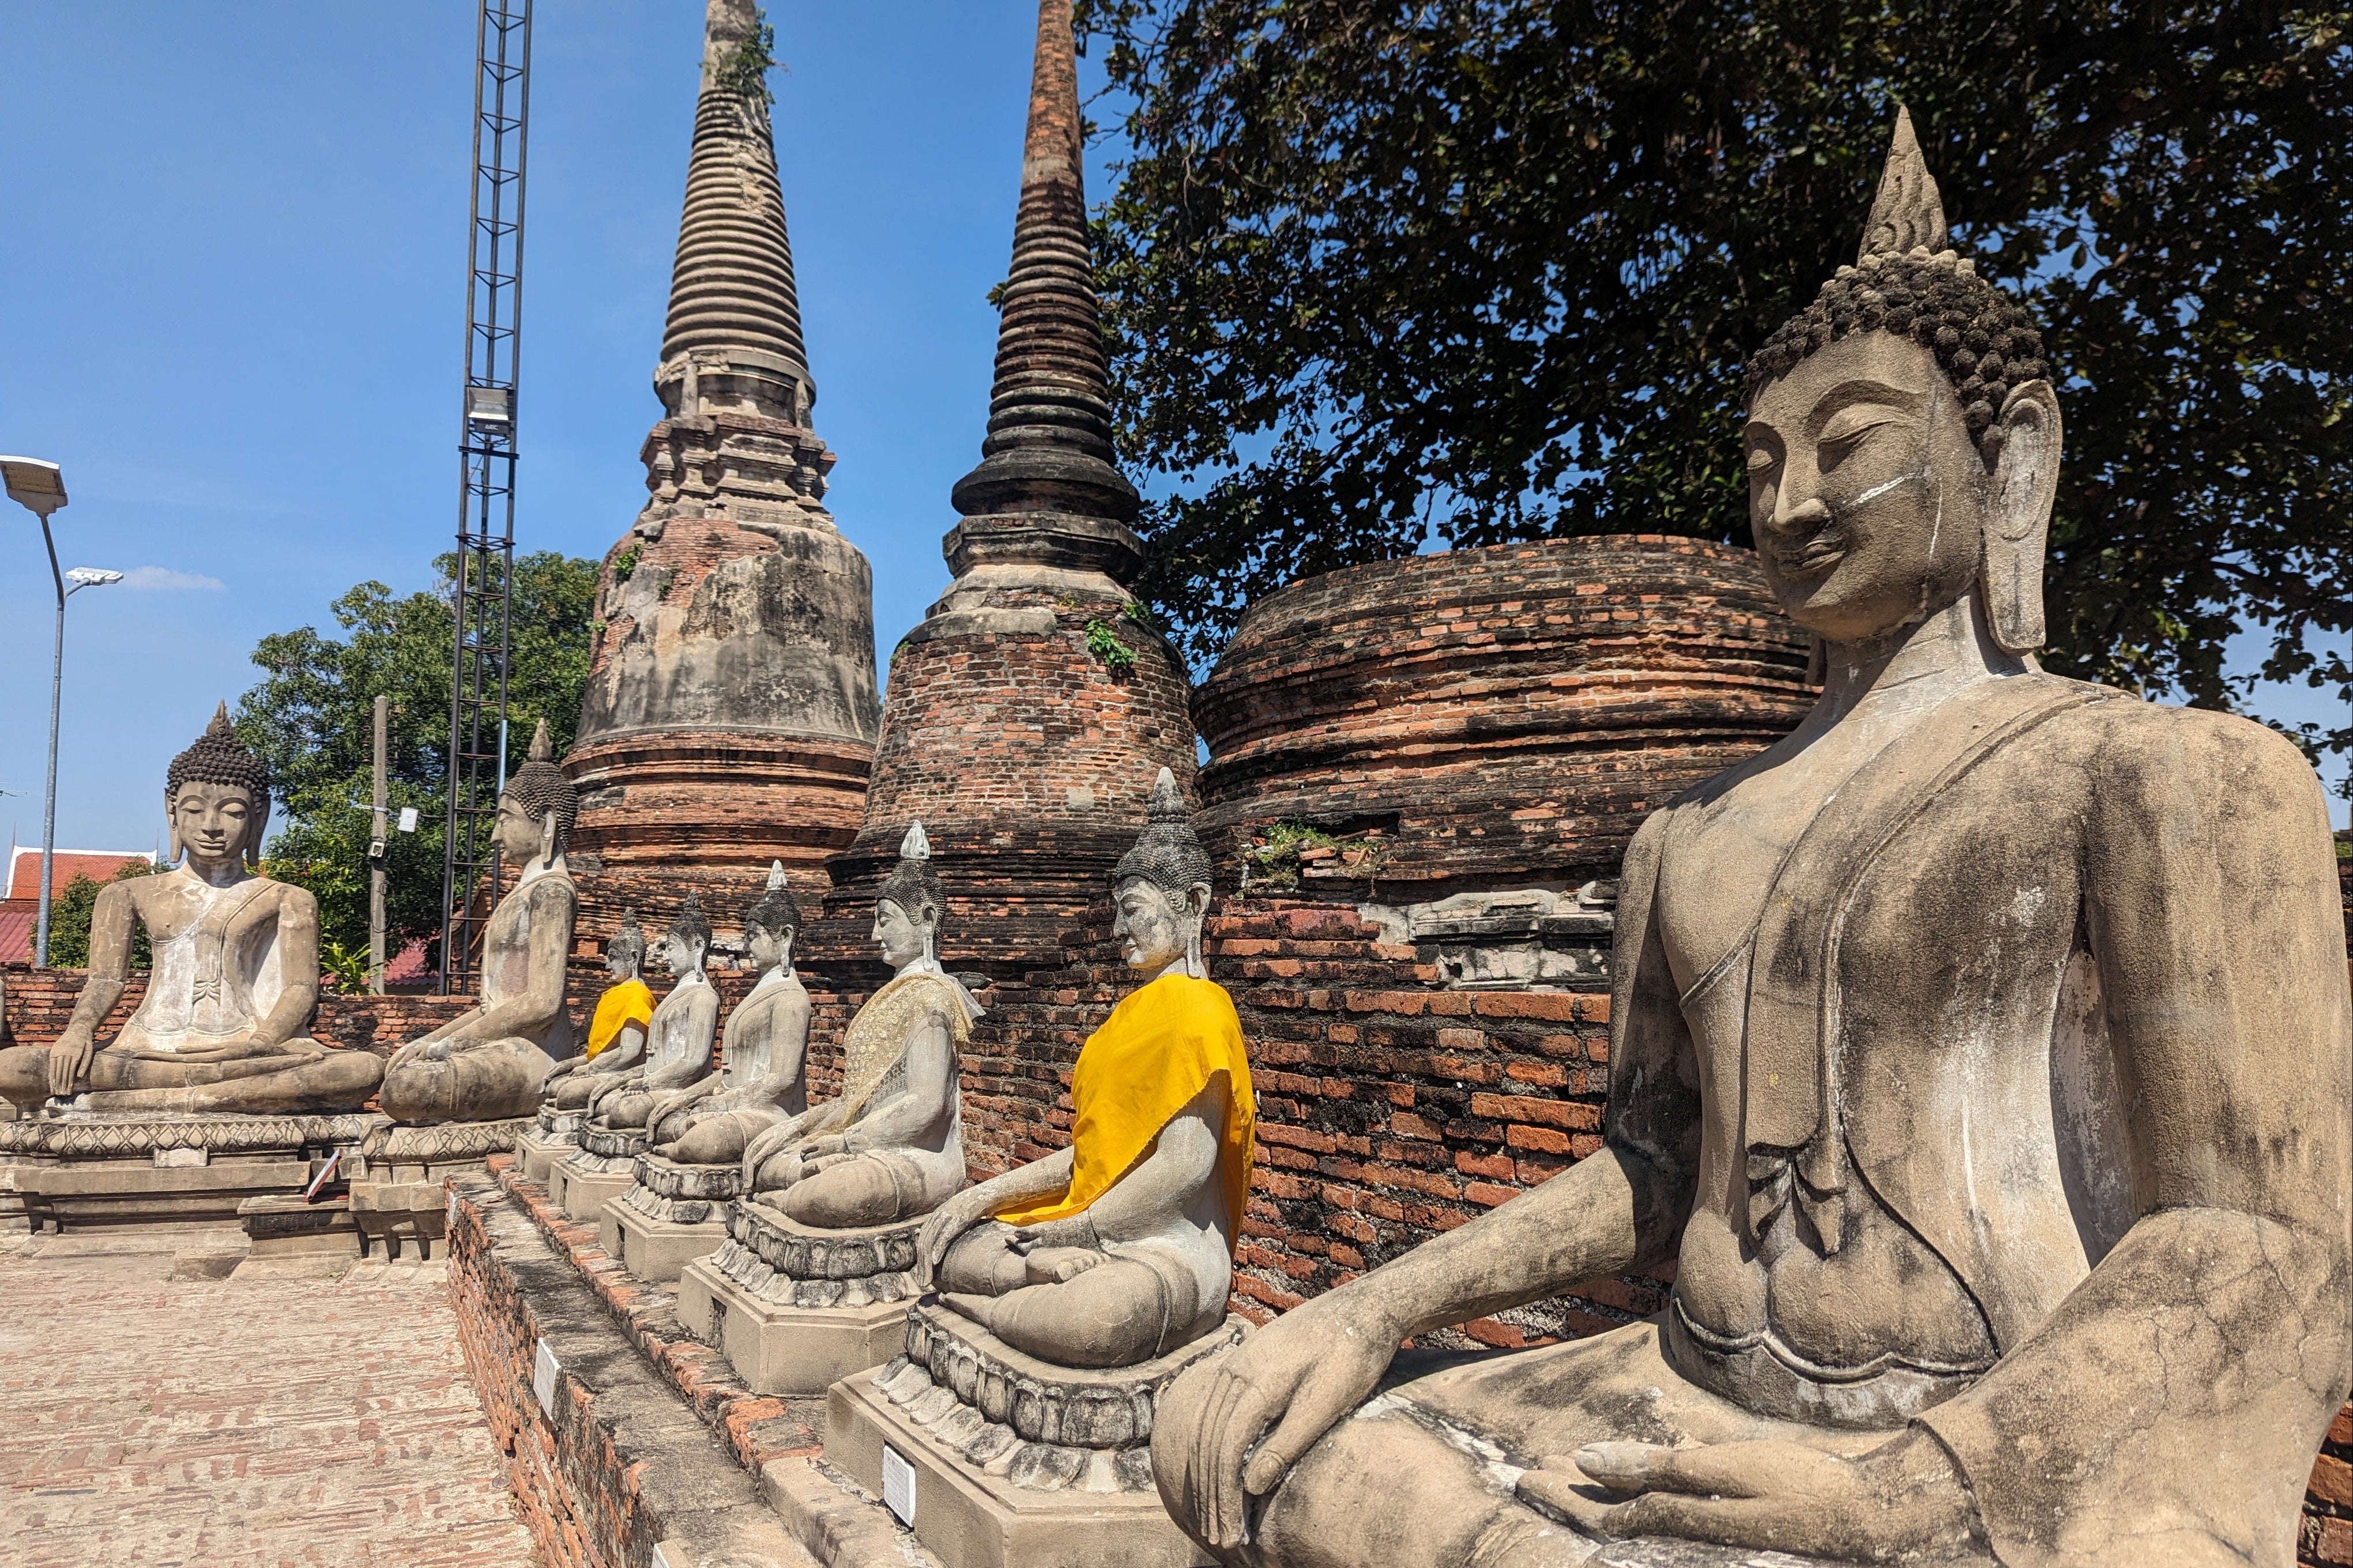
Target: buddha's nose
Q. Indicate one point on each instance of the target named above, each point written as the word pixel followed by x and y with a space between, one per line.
pixel 1808 516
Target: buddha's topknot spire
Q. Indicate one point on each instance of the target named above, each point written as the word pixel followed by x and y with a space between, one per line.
pixel 1048 443
pixel 1908 213
pixel 732 287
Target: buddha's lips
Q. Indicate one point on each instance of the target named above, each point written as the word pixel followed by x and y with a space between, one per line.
pixel 1817 554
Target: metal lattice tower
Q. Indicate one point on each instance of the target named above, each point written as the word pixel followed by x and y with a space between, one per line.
pixel 478 688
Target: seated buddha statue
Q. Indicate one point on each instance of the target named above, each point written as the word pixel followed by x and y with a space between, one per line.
pixel 235 975
pixel 679 1035
pixel 1965 1061
pixel 889 1147
pixel 617 1031
pixel 489 1063
pixel 1119 1248
pixel 763 1052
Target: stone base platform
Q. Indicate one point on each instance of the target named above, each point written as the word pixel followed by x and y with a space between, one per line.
pixel 75 1171
pixel 288 1228
pixel 671 1214
pixel 794 1308
pixel 600 1170
pixel 398 1204
pixel 1013 1462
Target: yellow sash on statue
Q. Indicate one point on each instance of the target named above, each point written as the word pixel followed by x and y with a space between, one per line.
pixel 1160 1048
pixel 621 1005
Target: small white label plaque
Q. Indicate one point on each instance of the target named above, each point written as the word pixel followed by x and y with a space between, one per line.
pixel 544 1374
pixel 898 1485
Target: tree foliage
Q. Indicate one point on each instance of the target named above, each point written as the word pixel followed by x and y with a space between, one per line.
pixel 313 715
pixel 1381 272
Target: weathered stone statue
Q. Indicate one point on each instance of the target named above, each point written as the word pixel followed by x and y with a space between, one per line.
pixel 488 1064
pixel 763 1058
pixel 678 1038
pixel 1120 1247
pixel 1981 1111
pixel 890 1146
pixel 616 1034
pixel 234 976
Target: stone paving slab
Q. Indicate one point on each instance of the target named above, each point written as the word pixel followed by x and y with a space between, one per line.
pixel 161 1414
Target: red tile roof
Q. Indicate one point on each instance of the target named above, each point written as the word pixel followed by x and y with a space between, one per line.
pixel 17 918
pixel 98 865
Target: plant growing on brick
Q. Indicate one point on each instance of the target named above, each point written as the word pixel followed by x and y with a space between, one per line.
pixel 1104 644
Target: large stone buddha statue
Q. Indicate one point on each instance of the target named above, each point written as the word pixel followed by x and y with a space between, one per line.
pixel 1119 1250
pixel 763 1050
pixel 617 1031
pixel 1977 1057
pixel 234 976
pixel 489 1063
pixel 890 1146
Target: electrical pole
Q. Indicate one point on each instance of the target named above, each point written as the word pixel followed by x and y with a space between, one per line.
pixel 382 800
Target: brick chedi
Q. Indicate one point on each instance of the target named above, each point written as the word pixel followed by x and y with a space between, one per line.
pixel 1029 713
pixel 1423 773
pixel 731 711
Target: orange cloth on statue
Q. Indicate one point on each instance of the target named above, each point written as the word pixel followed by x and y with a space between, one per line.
pixel 1158 1050
pixel 621 1005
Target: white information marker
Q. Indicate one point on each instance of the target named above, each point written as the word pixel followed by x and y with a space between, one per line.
pixel 544 1374
pixel 898 1485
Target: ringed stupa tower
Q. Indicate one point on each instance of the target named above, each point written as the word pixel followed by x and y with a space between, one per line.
pixel 1029 713
pixel 731 712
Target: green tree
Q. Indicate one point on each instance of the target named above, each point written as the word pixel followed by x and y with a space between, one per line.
pixel 1387 271
pixel 312 716
pixel 70 908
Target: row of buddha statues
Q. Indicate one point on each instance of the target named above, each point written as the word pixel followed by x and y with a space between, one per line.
pixel 1978 1064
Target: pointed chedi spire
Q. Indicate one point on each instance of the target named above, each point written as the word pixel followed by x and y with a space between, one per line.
pixel 731 705
pixel 731 289
pixel 1048 444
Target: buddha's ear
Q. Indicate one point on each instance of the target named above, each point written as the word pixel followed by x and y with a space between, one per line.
pixel 1196 901
pixel 547 839
pixel 2018 525
pixel 172 824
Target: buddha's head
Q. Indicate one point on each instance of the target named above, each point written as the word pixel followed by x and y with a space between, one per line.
pixel 538 807
pixel 1903 441
pixel 216 797
pixel 907 912
pixel 688 942
pixel 625 953
pixel 1161 889
pixel 770 925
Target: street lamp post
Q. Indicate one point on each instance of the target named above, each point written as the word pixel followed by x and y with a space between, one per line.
pixel 40 487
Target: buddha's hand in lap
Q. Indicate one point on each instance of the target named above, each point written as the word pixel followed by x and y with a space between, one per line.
pixel 1059 1264
pixel 944 1230
pixel 1900 1498
pixel 68 1059
pixel 1288 1383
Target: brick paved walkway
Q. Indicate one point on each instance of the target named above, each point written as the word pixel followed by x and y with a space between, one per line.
pixel 153 1416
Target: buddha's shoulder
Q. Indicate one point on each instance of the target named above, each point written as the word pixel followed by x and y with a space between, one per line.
pixel 2130 750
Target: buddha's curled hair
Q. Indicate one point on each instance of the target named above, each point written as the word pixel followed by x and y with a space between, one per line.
pixel 219 757
pixel 1169 855
pixel 539 786
pixel 630 939
pixel 775 913
pixel 691 926
pixel 1908 281
pixel 913 883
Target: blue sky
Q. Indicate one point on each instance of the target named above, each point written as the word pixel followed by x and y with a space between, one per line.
pixel 231 298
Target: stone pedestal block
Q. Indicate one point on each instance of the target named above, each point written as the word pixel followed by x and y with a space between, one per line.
pixel 538 1152
pixel 398 1218
pixel 671 1214
pixel 655 1250
pixel 783 1350
pixel 1015 1462
pixel 582 1184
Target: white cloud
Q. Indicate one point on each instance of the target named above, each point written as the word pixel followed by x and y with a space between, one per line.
pixel 163 578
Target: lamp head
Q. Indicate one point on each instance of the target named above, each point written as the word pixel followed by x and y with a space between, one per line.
pixel 92 577
pixel 35 483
